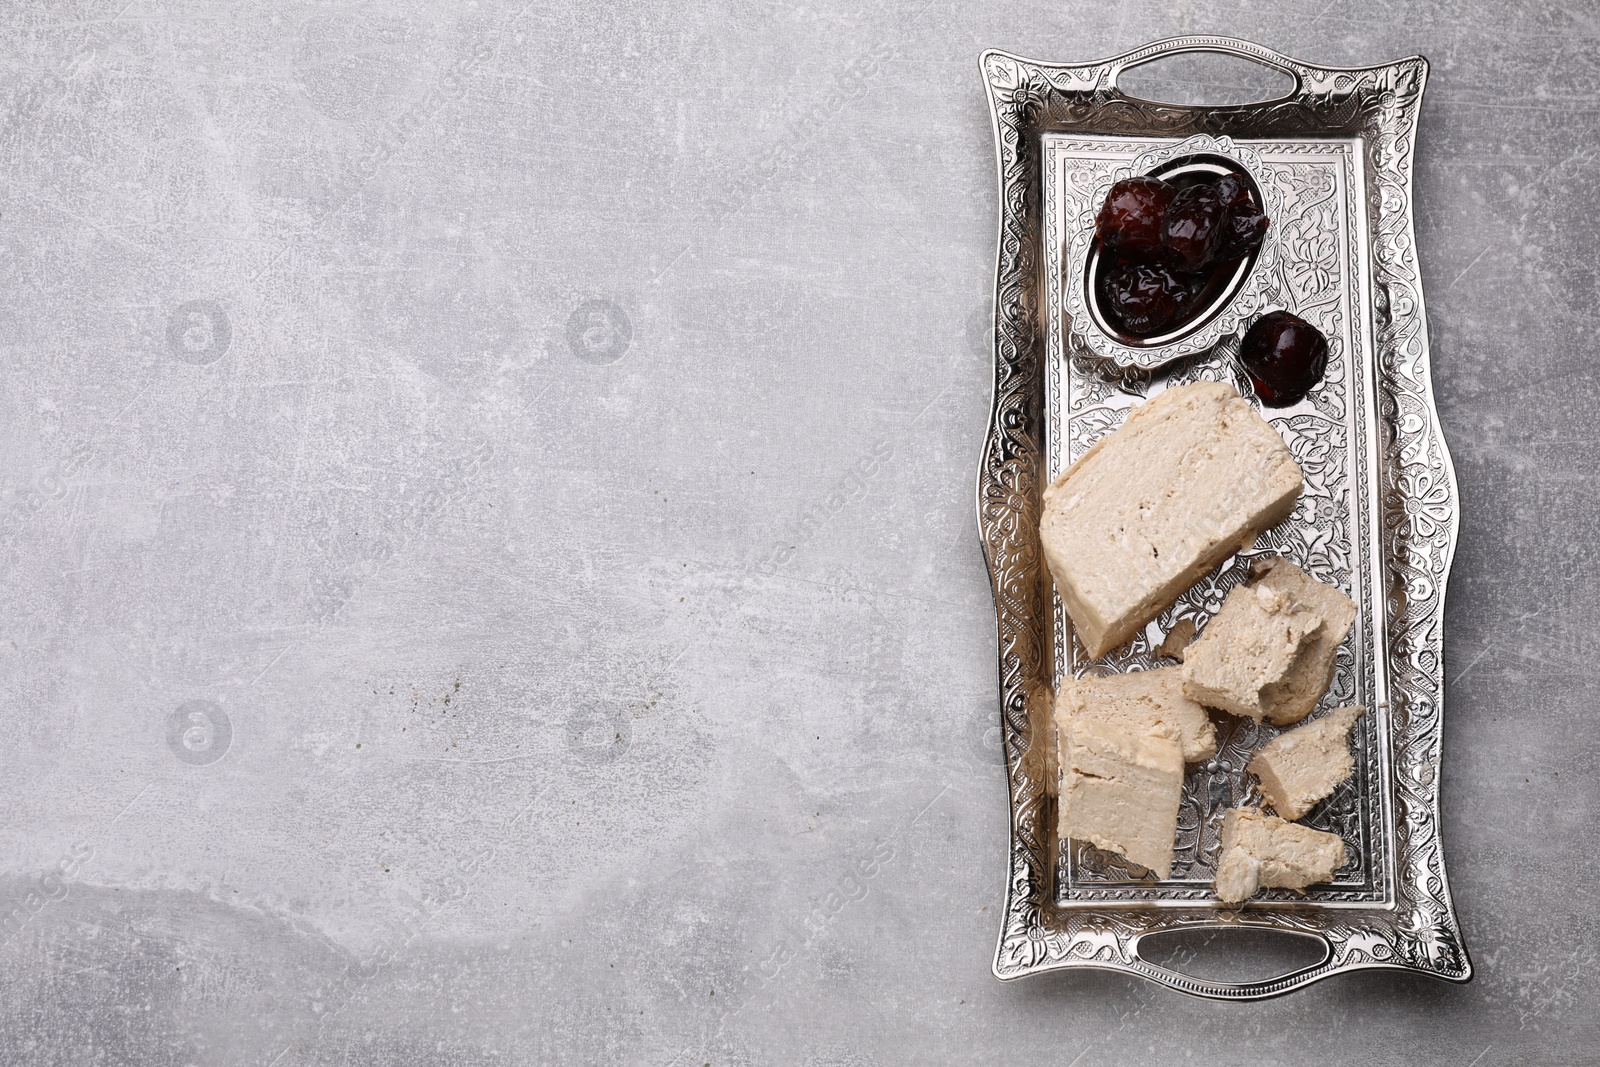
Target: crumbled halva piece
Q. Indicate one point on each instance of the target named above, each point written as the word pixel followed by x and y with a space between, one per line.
pixel 1177 640
pixel 1301 766
pixel 1262 851
pixel 1141 701
pixel 1293 698
pixel 1247 651
pixel 1192 476
pixel 1120 790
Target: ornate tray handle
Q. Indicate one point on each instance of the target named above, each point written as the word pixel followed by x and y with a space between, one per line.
pixel 1220 46
pixel 1214 990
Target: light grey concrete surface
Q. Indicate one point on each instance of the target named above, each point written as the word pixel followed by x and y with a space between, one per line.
pixel 488 541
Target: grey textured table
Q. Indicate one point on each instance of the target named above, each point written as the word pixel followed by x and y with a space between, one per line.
pixel 490 572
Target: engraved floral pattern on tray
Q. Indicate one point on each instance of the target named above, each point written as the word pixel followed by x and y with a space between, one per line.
pixel 1413 501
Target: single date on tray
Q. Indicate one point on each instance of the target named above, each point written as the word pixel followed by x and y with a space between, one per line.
pixel 1285 356
pixel 1168 243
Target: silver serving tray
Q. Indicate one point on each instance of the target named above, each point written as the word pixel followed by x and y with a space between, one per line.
pixel 1378 516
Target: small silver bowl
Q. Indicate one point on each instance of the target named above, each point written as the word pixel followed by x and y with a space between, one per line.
pixel 1228 304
